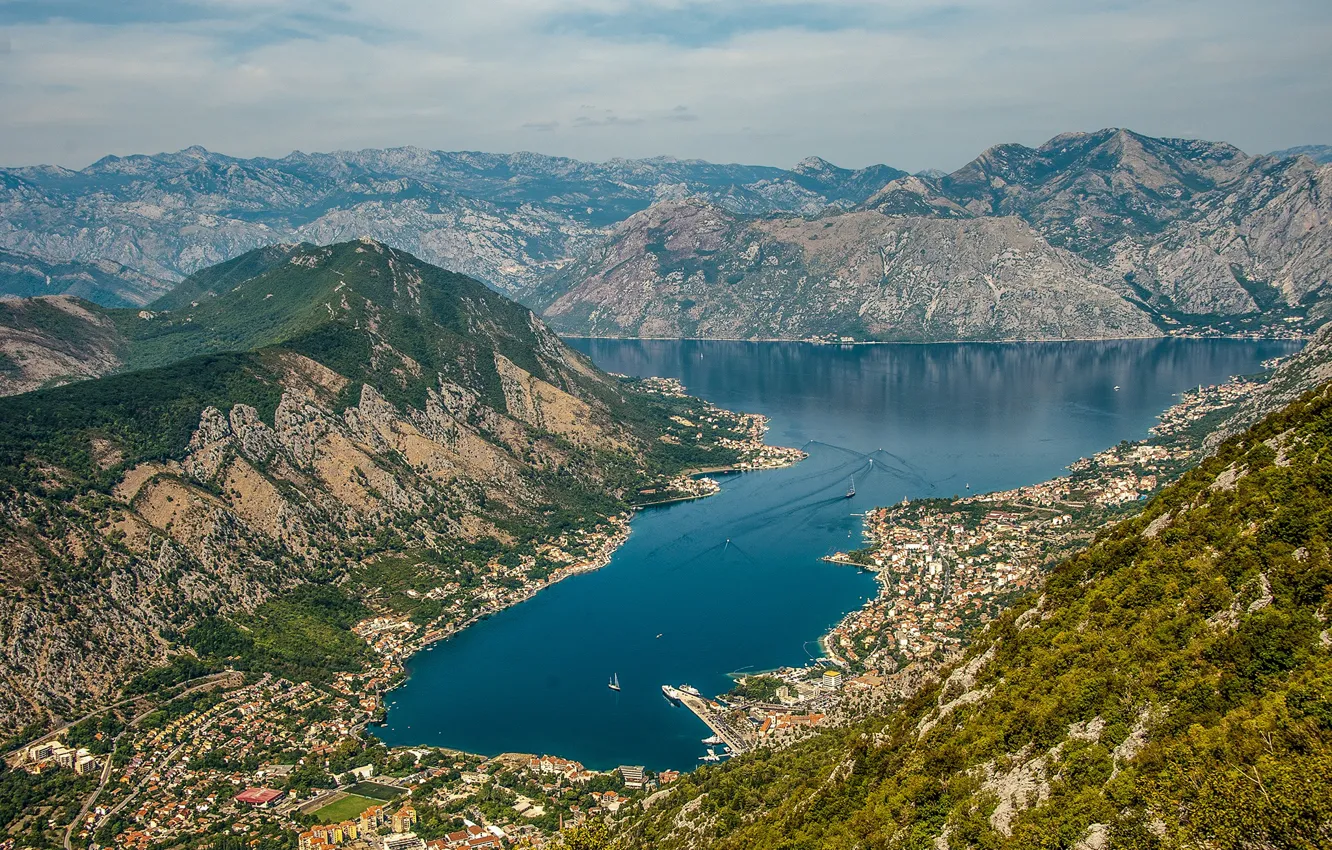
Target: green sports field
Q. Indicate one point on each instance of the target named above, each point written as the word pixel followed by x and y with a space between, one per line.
pixel 376 790
pixel 345 809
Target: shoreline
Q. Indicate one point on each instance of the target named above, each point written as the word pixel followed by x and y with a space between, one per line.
pixel 1157 435
pixel 1303 337
pixel 624 521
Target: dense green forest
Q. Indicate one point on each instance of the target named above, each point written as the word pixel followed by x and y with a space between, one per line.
pixel 1171 686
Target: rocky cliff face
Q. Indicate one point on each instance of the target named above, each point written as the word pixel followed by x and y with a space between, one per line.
pixel 691 269
pixel 503 218
pixel 1191 233
pixel 368 402
pixel 1197 229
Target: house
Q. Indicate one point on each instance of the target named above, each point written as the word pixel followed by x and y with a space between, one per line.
pixel 610 800
pixel 473 837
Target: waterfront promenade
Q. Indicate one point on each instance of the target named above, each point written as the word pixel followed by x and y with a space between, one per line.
pixel 717 722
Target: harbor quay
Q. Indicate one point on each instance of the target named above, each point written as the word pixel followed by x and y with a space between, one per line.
pixel 716 720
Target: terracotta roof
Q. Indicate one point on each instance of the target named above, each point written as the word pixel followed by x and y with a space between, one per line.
pixel 258 796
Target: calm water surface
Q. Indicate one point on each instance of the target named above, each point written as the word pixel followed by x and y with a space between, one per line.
pixel 934 418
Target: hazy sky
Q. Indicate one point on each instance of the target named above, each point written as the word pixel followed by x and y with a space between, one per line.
pixel 911 83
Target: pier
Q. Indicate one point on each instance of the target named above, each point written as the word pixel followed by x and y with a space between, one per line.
pixel 717 722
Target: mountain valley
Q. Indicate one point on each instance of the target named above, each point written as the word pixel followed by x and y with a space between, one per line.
pixel 249 469
pixel 318 408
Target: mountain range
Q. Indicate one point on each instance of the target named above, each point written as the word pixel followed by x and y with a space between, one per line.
pixel 1089 235
pixel 275 425
pixel 503 218
pixel 99 281
pixel 1188 235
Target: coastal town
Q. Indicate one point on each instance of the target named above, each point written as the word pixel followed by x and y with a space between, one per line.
pixel 948 566
pixel 282 763
pixel 278 763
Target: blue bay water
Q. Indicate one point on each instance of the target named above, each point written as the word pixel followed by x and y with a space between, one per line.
pixel 734 582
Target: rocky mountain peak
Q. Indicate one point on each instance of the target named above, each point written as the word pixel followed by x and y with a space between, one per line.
pixel 816 166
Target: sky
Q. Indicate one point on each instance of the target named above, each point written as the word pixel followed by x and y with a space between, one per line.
pixel 911 83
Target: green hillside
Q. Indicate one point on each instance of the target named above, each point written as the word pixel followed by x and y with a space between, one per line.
pixel 348 418
pixel 1170 687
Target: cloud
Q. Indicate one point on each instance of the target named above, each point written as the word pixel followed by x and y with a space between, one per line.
pixel 908 82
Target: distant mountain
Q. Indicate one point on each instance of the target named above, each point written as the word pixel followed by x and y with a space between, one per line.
pixel 1170 686
pixel 1198 228
pixel 503 218
pixel 309 408
pixel 1318 153
pixel 1192 233
pixel 692 269
pixel 100 281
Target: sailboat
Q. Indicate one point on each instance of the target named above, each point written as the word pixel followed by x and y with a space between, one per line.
pixel 852 491
pixel 614 684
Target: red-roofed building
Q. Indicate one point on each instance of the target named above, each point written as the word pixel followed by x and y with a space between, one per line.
pixel 259 797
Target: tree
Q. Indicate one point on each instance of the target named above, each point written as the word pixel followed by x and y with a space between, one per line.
pixel 589 836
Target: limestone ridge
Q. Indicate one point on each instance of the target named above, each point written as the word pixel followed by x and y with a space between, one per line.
pixel 314 405
pixel 1194 228
pixel 691 269
pixel 503 218
pixel 1318 153
pixel 1181 233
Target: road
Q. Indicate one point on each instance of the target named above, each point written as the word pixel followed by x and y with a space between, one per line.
pixel 110 758
pixel 717 722
pixel 59 730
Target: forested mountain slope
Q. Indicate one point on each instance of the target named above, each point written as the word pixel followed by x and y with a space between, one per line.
pixel 55 340
pixel 1171 686
pixel 314 408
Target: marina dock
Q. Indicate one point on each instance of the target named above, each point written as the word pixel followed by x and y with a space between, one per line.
pixel 717 722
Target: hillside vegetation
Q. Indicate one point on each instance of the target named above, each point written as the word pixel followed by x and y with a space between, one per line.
pixel 298 414
pixel 1171 686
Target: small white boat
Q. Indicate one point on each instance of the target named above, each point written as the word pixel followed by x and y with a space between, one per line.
pixel 711 756
pixel 614 684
